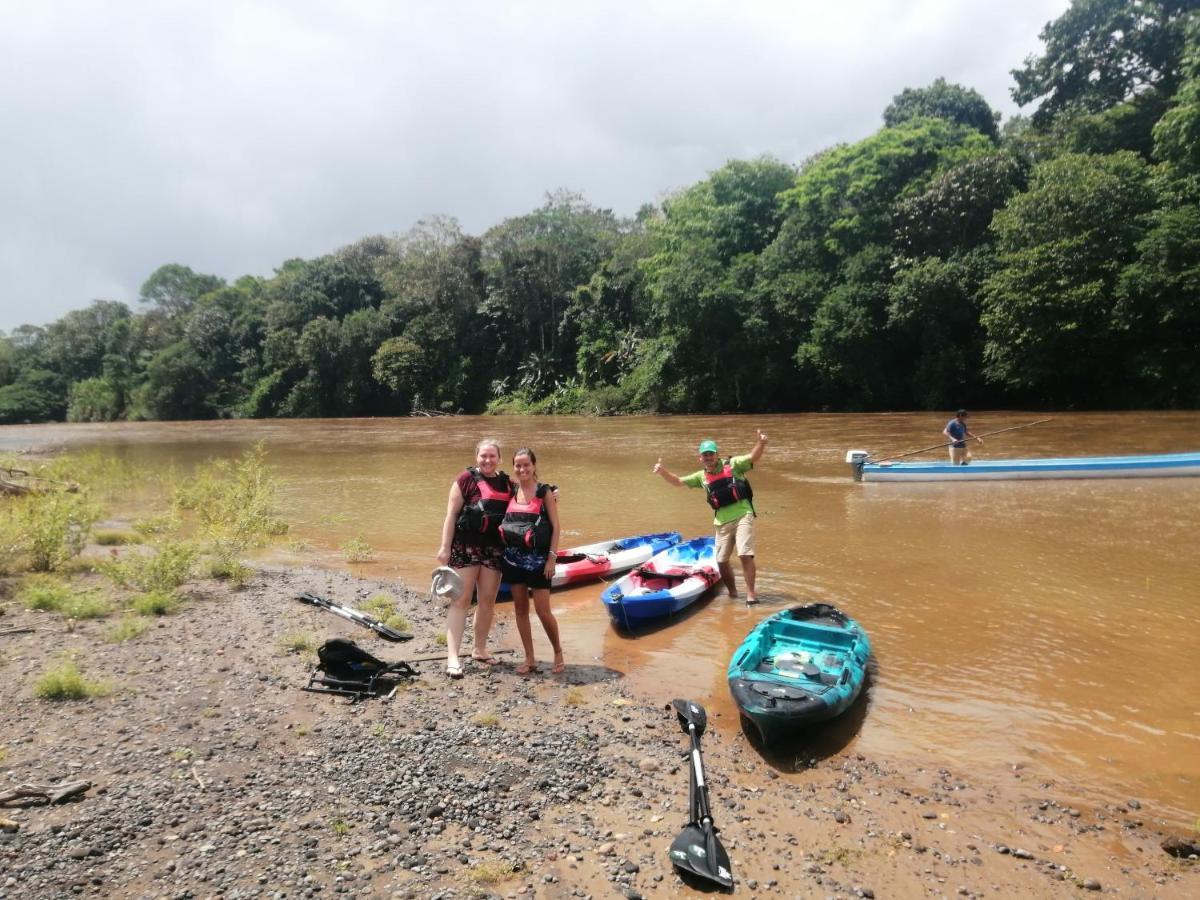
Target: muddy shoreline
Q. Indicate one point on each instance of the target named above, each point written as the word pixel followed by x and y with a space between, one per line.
pixel 213 774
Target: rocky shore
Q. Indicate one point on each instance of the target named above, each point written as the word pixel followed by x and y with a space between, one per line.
pixel 213 775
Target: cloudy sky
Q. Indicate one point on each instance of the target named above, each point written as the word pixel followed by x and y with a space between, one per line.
pixel 231 136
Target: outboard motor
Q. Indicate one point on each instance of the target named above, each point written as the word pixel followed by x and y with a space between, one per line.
pixel 857 458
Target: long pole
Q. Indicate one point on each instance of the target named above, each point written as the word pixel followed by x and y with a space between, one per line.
pixel 973 437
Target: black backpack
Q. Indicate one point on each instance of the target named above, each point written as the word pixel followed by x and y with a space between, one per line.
pixel 347 669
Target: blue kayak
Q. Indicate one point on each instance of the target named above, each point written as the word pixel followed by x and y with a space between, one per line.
pixel 669 582
pixel 797 668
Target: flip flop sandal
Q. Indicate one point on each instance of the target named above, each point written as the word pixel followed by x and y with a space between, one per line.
pixel 454 670
pixel 485 660
pixel 527 669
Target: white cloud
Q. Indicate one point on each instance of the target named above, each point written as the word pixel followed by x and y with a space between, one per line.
pixel 230 136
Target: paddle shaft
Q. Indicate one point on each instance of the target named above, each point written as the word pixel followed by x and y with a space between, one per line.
pixel 973 437
pixel 353 615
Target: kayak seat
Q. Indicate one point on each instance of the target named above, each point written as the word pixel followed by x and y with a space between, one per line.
pixel 572 557
pixel 669 577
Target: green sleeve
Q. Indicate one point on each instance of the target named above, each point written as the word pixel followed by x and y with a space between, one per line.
pixel 695 480
pixel 741 465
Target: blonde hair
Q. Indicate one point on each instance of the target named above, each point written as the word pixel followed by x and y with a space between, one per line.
pixel 488 442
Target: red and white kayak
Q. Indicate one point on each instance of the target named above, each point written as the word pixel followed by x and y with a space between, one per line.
pixel 599 560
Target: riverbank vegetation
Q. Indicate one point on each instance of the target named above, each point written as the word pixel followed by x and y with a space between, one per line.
pixel 944 260
pixel 62 565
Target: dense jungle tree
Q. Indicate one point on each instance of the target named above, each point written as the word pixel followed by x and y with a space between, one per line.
pixel 943 100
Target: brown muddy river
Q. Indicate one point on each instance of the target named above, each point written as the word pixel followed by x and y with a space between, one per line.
pixel 1048 624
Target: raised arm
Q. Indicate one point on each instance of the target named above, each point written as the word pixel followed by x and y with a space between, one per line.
pixel 759 446
pixel 667 475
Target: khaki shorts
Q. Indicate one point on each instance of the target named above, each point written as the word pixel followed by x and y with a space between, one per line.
pixel 739 532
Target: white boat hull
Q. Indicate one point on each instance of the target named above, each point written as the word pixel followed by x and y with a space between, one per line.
pixel 1170 465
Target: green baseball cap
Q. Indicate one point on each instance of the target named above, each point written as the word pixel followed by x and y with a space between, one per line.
pixel 708 446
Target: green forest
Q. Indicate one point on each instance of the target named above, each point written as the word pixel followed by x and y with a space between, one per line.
pixel 1052 260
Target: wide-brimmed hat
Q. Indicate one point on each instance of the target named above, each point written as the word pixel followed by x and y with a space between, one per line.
pixel 446 584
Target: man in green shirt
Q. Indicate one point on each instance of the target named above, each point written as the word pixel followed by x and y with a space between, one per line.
pixel 730 496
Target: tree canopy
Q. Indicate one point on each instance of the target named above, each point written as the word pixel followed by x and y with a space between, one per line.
pixel 941 261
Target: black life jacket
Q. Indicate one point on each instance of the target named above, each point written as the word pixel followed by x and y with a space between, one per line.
pixel 482 516
pixel 526 525
pixel 723 489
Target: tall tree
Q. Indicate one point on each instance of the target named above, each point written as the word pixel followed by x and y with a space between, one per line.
pixel 1054 328
pixel 943 100
pixel 1102 53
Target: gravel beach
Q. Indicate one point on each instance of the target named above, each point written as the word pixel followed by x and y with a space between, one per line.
pixel 213 775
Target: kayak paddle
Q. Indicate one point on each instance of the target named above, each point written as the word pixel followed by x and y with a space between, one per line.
pixel 384 631
pixel 697 851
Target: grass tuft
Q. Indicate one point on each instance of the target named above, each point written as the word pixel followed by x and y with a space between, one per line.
pixel 298 642
pixel 155 603
pixel 573 697
pixel 66 682
pixel 113 537
pixel 231 570
pixel 43 592
pixel 47 593
pixel 486 720
pixel 126 630
pixel 494 872
pixel 86 606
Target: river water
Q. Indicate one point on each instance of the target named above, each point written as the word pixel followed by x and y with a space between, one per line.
pixel 1043 624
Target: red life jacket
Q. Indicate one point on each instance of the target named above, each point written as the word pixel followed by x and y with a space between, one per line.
pixel 526 525
pixel 482 516
pixel 723 489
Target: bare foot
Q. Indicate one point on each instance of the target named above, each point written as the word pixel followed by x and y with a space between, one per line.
pixel 732 594
pixel 528 667
pixel 559 665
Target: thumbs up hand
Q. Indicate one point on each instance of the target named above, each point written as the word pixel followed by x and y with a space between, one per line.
pixel 762 436
pixel 658 466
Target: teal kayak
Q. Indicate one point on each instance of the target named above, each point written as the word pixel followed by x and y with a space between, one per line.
pixel 797 668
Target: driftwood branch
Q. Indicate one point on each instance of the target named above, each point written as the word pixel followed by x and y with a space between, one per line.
pixel 50 794
pixel 14 487
pixel 4 632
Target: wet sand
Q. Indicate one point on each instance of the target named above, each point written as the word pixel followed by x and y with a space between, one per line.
pixel 214 774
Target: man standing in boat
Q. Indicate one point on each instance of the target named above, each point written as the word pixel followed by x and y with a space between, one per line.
pixel 729 494
pixel 958 433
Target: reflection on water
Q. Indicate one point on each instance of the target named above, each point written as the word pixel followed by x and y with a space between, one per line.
pixel 1044 622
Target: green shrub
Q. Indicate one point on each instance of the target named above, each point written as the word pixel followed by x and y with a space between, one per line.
pixel 112 537
pixel 162 568
pixel 234 502
pixel 126 630
pixel 66 682
pixel 50 527
pixel 358 550
pixel 155 603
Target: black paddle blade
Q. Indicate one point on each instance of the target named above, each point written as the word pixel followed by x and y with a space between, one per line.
pixel 697 851
pixel 690 714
